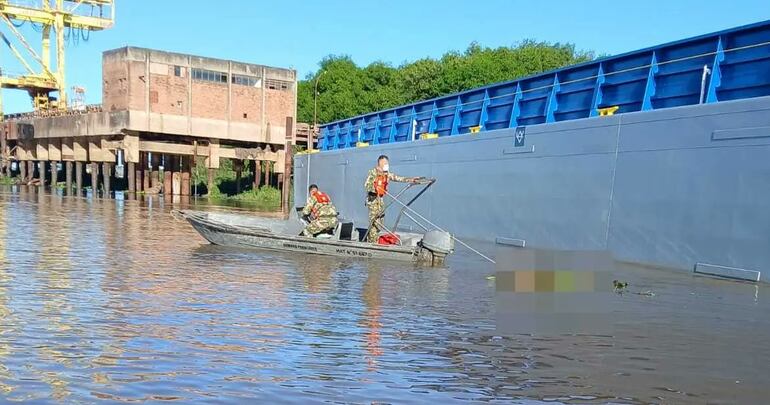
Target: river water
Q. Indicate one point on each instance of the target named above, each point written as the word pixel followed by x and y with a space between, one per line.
pixel 116 301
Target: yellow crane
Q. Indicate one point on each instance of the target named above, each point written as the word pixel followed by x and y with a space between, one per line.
pixel 40 78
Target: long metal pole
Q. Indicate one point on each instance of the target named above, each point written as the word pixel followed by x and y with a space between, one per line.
pixel 315 111
pixel 440 229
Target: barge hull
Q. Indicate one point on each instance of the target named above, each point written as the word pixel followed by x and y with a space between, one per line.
pixel 670 187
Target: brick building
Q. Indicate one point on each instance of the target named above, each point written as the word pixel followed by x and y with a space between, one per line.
pixel 162 109
pixel 193 95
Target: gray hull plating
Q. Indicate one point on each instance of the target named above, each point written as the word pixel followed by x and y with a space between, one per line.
pixel 672 187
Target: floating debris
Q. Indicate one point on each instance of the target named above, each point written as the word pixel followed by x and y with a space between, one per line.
pixel 621 287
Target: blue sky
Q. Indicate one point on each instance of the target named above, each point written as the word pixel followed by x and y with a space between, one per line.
pixel 299 34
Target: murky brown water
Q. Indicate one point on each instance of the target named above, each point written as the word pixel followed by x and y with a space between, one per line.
pixel 107 301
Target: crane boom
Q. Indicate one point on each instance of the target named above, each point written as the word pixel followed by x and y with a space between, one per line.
pixel 42 79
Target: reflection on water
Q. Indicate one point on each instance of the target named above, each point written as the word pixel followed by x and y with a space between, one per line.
pixel 117 301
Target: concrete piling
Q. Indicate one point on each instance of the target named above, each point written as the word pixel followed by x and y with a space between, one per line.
pixel 41 172
pixel 54 173
pixel 139 180
pixel 106 178
pixel 257 174
pixel 210 183
pixel 185 175
pixel 68 178
pixel 155 171
pixel 95 178
pixel 145 173
pixel 167 182
pixel 78 177
pixel 267 174
pixel 176 176
pixel 23 171
pixel 30 170
pixel 131 177
pixel 238 167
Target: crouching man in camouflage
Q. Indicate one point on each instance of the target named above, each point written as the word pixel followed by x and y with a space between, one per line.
pixel 320 212
pixel 376 186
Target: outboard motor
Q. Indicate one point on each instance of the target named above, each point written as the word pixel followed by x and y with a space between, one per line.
pixel 436 245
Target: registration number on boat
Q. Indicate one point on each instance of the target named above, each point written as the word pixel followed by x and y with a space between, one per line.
pixel 351 252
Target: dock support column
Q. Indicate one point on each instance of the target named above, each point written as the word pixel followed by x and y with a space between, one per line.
pixel 185 175
pixel 267 173
pixel 139 178
pixel 131 168
pixel 145 173
pixel 176 176
pixel 23 171
pixel 95 179
pixel 30 170
pixel 78 177
pixel 210 183
pixel 68 177
pixel 155 171
pixel 257 174
pixel 238 167
pixel 167 176
pixel 41 172
pixel 106 178
pixel 54 174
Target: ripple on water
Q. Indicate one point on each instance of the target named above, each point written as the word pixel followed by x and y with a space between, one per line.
pixel 118 302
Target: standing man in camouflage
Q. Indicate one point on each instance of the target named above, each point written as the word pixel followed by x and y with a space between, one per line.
pixel 320 211
pixel 376 186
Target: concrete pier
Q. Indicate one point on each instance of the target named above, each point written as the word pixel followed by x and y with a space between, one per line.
pixel 210 183
pixel 139 178
pixel 106 178
pixel 23 171
pixel 176 176
pixel 41 172
pixel 68 178
pixel 78 178
pixel 238 167
pixel 267 174
pixel 30 170
pixel 54 173
pixel 145 171
pixel 95 179
pixel 155 179
pixel 131 177
pixel 257 174
pixel 185 175
pixel 167 182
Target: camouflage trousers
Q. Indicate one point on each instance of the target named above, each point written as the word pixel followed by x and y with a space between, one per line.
pixel 376 216
pixel 319 225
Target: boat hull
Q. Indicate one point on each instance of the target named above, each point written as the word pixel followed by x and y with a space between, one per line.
pixel 228 235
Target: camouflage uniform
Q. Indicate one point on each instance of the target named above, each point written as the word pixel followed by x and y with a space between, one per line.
pixel 324 217
pixel 376 204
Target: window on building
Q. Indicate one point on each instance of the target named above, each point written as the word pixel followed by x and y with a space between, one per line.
pixel 242 80
pixel 275 84
pixel 205 75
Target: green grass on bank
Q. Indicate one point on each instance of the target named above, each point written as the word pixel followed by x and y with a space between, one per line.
pixel 266 198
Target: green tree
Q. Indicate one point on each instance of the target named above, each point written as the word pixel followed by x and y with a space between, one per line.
pixel 346 90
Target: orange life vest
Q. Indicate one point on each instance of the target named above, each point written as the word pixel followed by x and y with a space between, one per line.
pixel 381 185
pixel 389 239
pixel 321 199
